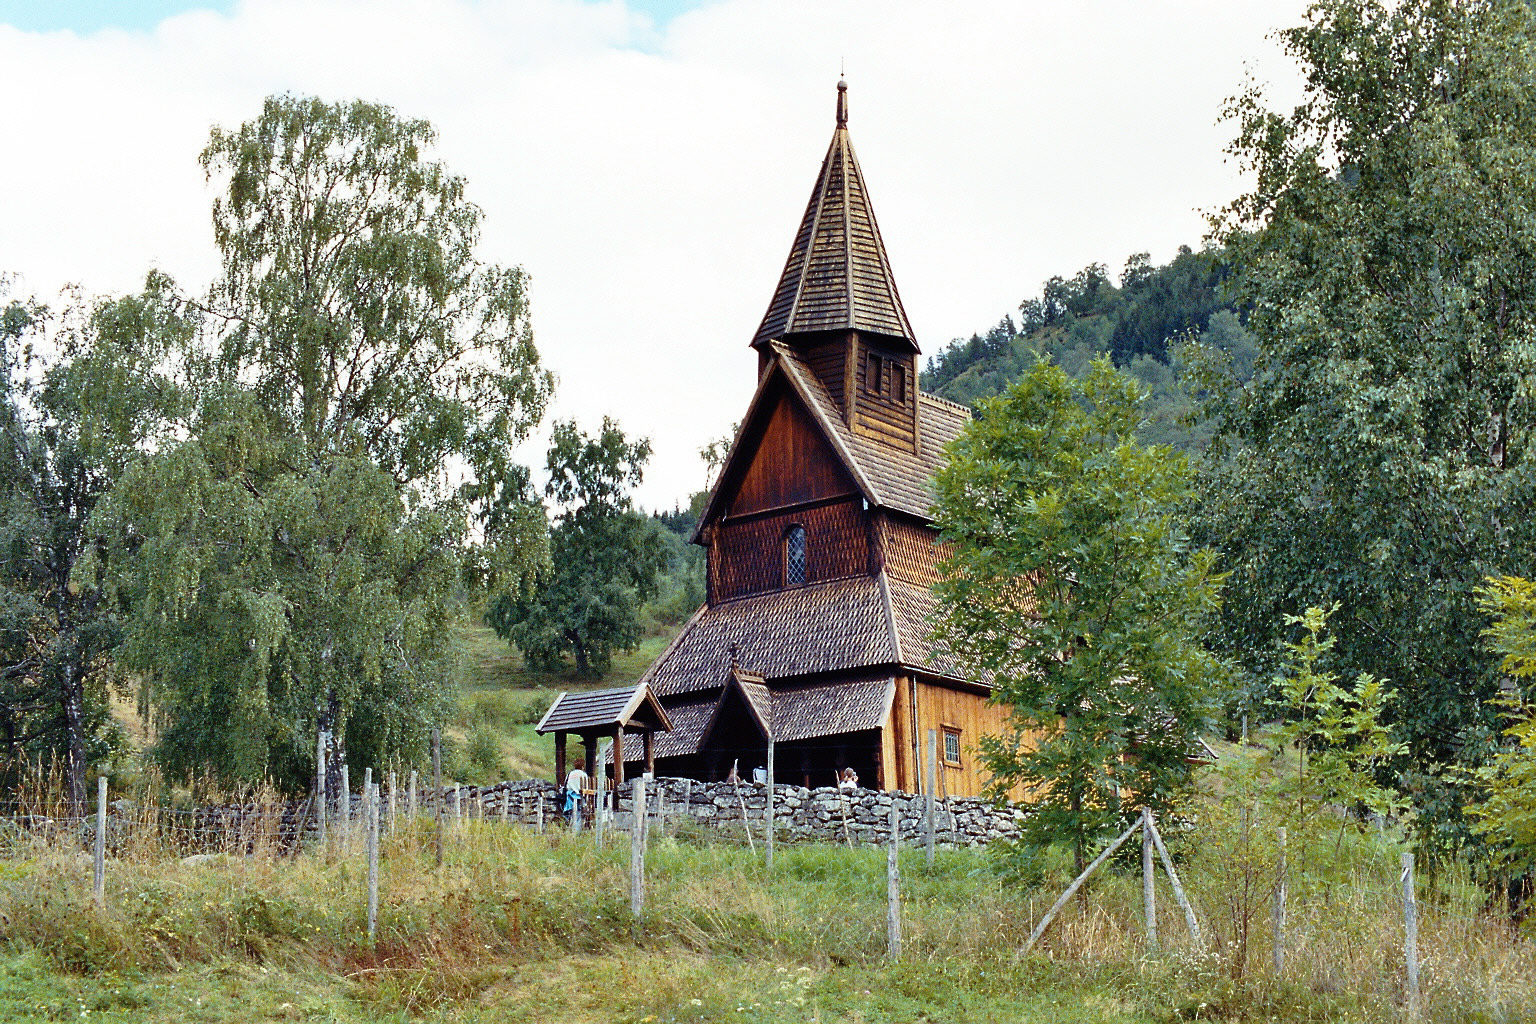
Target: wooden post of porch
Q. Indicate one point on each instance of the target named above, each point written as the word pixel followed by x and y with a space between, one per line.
pixel 650 752
pixel 559 760
pixel 618 761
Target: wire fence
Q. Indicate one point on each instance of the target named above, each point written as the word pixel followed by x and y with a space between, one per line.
pixel 747 817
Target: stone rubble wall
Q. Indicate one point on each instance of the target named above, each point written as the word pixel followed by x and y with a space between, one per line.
pixel 800 815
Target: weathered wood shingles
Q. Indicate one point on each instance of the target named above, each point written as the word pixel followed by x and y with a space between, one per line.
pixel 831 709
pixel 623 705
pixel 838 276
pixel 827 627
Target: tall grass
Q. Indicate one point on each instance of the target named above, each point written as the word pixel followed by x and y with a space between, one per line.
pixel 542 922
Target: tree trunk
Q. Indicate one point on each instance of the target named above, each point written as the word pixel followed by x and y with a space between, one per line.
pixel 583 668
pixel 335 750
pixel 1079 854
pixel 72 697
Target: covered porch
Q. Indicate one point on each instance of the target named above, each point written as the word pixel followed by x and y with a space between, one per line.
pixel 597 714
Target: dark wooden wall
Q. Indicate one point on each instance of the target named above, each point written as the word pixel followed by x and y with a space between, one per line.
pixel 828 362
pixel 791 464
pixel 910 551
pixel 747 556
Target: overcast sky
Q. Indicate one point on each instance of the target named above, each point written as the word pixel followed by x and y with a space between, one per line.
pixel 648 162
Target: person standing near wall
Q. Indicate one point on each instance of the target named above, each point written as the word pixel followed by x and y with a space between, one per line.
pixel 575 785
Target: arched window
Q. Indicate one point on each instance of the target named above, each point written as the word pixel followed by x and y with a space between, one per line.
pixel 794 556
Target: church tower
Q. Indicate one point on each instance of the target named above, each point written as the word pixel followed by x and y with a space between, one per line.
pixel 837 305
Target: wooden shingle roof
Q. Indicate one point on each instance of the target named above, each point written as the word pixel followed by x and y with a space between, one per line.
pixel 838 276
pixel 688 720
pixel 831 709
pixel 823 627
pixel 912 606
pixel 856 704
pixel 865 622
pixel 605 709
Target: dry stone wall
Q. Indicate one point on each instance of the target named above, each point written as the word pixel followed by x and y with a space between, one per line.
pixel 800 814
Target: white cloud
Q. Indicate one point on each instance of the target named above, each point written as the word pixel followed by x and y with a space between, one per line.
pixel 650 179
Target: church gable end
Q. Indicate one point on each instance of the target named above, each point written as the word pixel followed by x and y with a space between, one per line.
pixel 788 512
pixel 786 461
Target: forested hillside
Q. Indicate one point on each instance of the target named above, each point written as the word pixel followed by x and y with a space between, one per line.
pixel 1140 322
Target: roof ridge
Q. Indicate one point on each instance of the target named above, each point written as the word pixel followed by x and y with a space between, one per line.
pixel 940 400
pixel 890 617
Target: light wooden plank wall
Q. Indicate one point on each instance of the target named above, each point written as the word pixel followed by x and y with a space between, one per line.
pixel 937 706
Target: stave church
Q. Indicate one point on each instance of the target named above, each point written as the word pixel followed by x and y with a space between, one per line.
pixel 820 548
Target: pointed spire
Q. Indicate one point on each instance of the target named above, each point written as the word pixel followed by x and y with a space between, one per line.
pixel 838 276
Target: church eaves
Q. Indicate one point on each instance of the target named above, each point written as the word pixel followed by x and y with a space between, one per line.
pixel 837 277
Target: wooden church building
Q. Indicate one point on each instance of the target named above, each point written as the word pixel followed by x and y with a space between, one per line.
pixel 821 551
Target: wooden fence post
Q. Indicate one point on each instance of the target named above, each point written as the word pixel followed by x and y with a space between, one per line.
pixel 392 788
pixel 637 851
pixel 437 793
pixel 412 807
pixel 1280 904
pixel 345 816
pixel 893 887
pixel 933 775
pixel 371 811
pixel 746 826
pixel 842 800
pixel 1411 936
pixel 99 861
pixel 320 794
pixel 602 791
pixel 768 812
pixel 1061 901
pixel 1148 886
pixel 1173 878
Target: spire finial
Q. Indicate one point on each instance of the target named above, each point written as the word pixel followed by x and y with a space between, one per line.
pixel 842 103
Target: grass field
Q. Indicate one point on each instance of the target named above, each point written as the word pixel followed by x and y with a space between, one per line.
pixel 522 927
pixel 527 927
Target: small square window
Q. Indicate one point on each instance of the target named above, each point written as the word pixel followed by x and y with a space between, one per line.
pixel 952 746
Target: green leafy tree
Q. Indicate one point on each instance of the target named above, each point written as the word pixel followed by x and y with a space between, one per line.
pixel 70 424
pixel 1336 733
pixel 1330 744
pixel 1381 457
pixel 347 461
pixel 1072 588
pixel 1506 816
pixel 605 557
